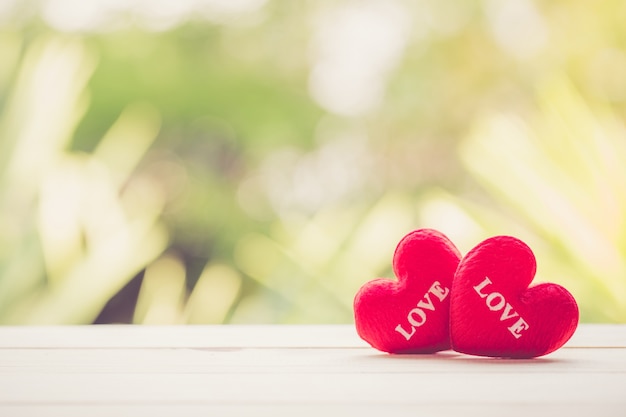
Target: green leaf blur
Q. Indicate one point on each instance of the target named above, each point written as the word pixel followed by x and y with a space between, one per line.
pixel 206 161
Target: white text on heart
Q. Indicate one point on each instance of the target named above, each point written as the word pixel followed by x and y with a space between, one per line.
pixel 496 302
pixel 417 316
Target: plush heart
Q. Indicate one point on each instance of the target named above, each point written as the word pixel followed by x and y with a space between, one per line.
pixel 493 312
pixel 410 315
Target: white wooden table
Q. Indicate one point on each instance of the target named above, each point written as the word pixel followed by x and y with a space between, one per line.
pixel 294 371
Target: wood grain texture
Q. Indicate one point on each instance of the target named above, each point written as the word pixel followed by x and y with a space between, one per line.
pixel 294 370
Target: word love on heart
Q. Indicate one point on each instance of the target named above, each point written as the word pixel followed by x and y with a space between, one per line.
pixel 417 316
pixel 480 304
pixel 496 302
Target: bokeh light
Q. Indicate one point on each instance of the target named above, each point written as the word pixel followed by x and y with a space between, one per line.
pixel 257 161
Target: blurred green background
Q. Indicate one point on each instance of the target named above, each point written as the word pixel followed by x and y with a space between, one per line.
pixel 251 161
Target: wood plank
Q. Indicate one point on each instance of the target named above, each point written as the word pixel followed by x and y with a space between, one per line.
pixel 296 361
pixel 598 335
pixel 318 336
pixel 337 388
pixel 217 336
pixel 312 409
pixel 288 370
pixel 324 389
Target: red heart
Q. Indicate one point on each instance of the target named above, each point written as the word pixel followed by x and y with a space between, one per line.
pixel 493 312
pixel 410 315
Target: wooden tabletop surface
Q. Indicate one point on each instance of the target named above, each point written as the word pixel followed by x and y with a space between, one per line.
pixel 294 371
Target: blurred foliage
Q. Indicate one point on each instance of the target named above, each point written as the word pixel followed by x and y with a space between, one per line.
pixel 251 161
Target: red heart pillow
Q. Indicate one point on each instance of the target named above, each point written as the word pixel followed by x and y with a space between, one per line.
pixel 410 315
pixel 494 313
